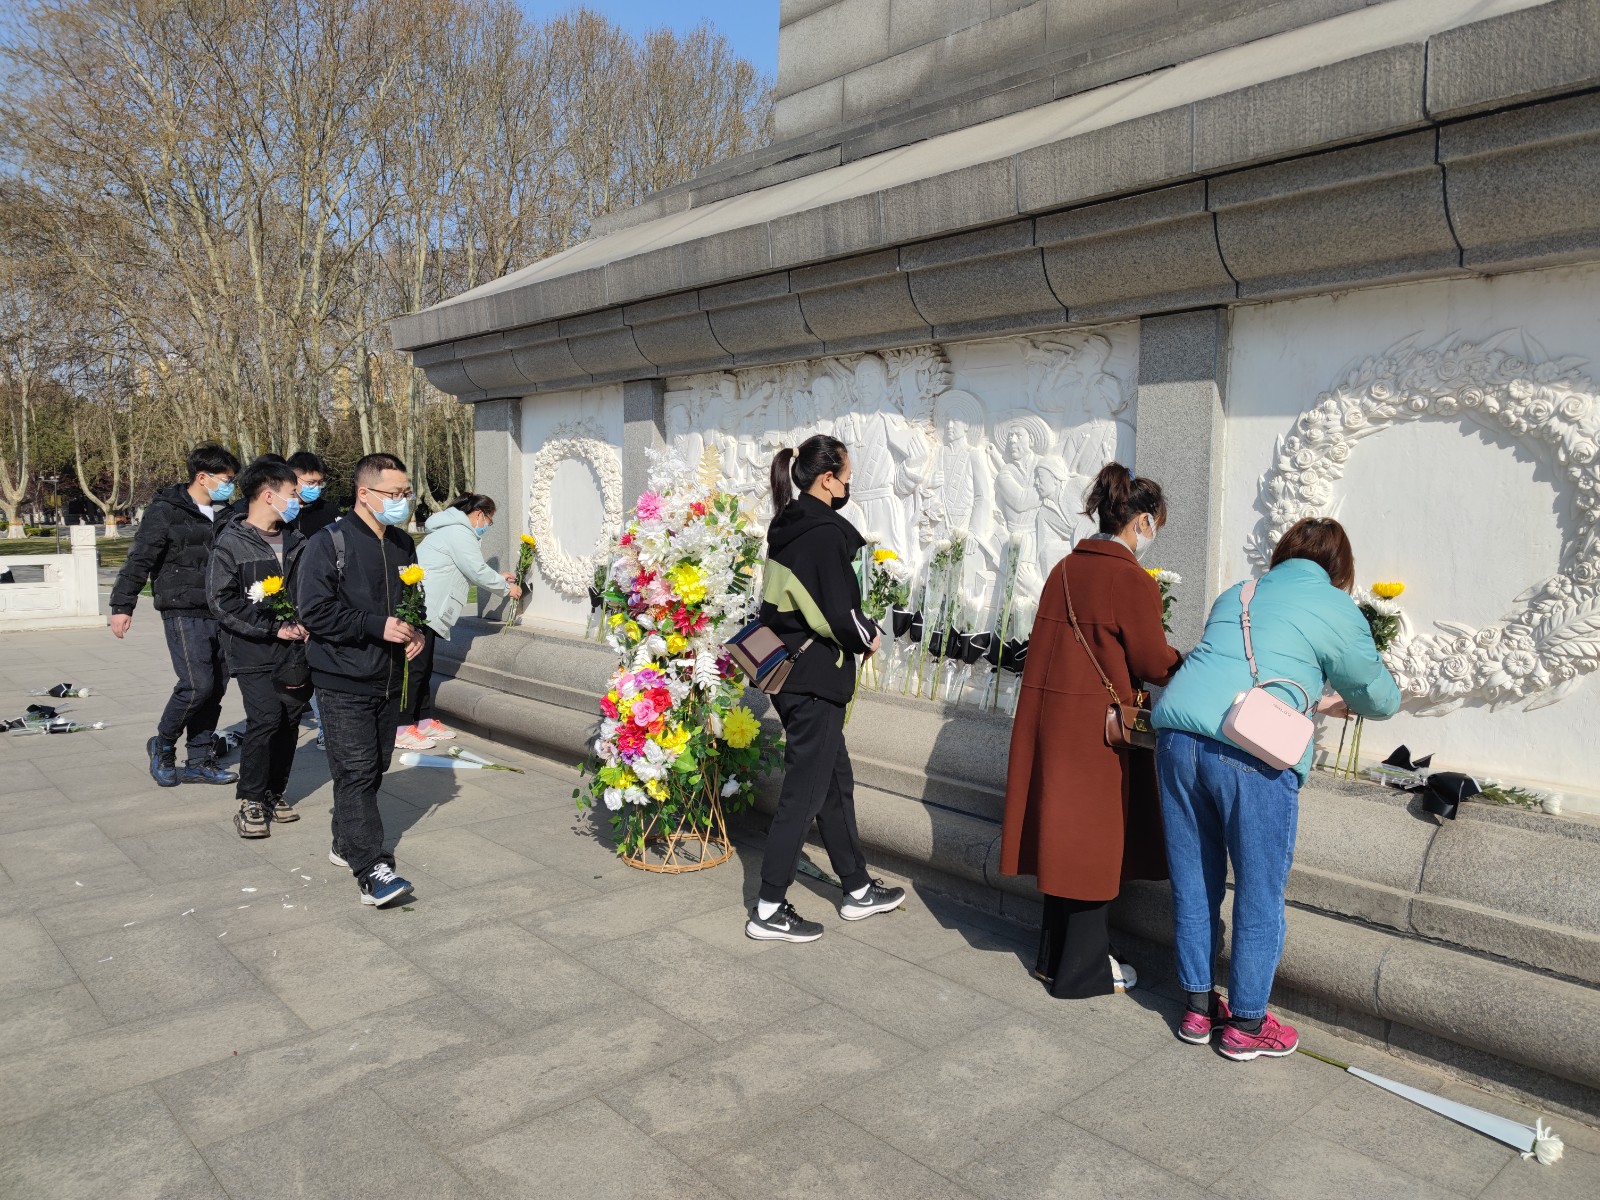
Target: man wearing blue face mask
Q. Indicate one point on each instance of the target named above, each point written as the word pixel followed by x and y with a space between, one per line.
pixel 317 509
pixel 347 587
pixel 170 551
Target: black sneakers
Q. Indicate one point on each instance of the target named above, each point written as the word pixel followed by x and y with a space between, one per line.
pixel 785 925
pixel 878 899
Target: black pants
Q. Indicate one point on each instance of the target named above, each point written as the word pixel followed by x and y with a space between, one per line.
pixel 419 688
pixel 196 702
pixel 360 735
pixel 1075 948
pixel 819 786
pixel 271 729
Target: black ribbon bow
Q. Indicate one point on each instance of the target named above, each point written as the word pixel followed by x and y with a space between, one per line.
pixel 908 625
pixel 977 648
pixel 595 599
pixel 1443 792
pixel 1009 656
pixel 1402 760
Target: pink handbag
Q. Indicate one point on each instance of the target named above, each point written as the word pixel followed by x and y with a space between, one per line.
pixel 1275 732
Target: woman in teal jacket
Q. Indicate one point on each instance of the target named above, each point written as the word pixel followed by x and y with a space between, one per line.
pixel 452 561
pixel 1220 803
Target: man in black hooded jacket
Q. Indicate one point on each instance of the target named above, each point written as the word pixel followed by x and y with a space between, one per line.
pixel 256 550
pixel 170 550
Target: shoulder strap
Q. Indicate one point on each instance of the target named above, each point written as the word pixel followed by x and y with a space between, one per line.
pixel 337 535
pixel 1072 617
pixel 1245 596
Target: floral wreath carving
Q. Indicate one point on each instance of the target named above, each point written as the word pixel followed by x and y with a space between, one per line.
pixel 570 575
pixel 1538 653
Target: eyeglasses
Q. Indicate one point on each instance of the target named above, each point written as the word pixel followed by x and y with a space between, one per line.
pixel 402 495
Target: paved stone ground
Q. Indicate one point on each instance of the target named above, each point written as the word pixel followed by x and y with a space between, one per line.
pixel 184 1014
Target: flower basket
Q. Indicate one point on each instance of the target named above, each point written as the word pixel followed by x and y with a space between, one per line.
pixel 677 748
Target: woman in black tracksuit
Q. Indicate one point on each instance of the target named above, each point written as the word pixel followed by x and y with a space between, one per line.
pixel 812 600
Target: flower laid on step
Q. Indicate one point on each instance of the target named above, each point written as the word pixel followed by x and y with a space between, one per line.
pixel 678 586
pixel 1168 581
pixel 477 760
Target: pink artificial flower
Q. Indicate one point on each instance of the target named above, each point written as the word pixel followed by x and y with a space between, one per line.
pixel 657 593
pixel 643 712
pixel 649 508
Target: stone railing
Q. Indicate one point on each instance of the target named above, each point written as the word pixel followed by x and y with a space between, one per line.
pixel 1474 943
pixel 67 598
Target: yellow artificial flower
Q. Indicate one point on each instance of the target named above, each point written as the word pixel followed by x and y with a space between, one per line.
pixel 632 630
pixel 616 619
pixel 677 643
pixel 1388 590
pixel 272 585
pixel 740 727
pixel 412 575
pixel 688 581
pixel 883 555
pixel 656 789
pixel 674 742
pixel 527 540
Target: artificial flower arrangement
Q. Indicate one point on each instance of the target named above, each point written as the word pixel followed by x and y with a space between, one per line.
pixel 412 608
pixel 1168 581
pixel 1386 619
pixel 677 744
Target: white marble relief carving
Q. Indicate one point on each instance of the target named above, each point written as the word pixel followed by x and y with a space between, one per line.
pixel 570 574
pixel 1000 462
pixel 1549 640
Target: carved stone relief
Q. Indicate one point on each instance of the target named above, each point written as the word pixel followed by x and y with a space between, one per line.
pixel 1000 464
pixel 1549 639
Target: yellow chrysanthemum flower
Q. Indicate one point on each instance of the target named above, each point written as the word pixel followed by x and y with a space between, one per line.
pixel 656 789
pixel 689 582
pixel 632 630
pixel 677 643
pixel 674 742
pixel 412 575
pixel 1388 590
pixel 272 585
pixel 527 540
pixel 883 555
pixel 740 727
pixel 1152 571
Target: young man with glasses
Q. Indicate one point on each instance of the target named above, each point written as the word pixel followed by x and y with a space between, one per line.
pixel 317 509
pixel 170 551
pixel 347 590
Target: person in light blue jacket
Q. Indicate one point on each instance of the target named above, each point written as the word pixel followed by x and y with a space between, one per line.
pixel 452 560
pixel 1219 802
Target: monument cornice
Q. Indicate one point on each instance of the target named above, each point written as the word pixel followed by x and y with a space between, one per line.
pixel 1420 158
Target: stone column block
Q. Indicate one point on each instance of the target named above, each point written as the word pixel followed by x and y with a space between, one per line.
pixel 643 428
pixel 497 473
pixel 1182 380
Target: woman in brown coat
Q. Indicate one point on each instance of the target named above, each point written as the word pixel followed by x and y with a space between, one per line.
pixel 1080 816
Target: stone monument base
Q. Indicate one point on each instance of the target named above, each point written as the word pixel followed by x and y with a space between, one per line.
pixel 1474 944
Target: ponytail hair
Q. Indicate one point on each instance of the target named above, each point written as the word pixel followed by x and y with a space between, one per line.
pixel 792 469
pixel 1117 497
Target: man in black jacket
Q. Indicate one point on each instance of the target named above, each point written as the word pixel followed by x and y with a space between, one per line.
pixel 348 587
pixel 170 550
pixel 248 585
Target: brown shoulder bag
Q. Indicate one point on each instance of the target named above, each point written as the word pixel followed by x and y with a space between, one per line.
pixel 1128 726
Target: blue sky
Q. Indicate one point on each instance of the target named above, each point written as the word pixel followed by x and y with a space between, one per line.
pixel 750 25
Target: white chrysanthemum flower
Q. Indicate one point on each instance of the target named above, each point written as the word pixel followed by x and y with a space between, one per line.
pixel 636 795
pixel 257 593
pixel 1169 577
pixel 613 798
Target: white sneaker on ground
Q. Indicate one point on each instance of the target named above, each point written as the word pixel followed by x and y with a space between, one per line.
pixel 1123 977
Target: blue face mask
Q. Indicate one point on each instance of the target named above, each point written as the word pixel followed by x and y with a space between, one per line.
pixel 480 530
pixel 311 493
pixel 222 493
pixel 395 510
pixel 290 509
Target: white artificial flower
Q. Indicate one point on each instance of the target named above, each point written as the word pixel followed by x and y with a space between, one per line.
pixel 731 786
pixel 613 798
pixel 636 795
pixel 257 593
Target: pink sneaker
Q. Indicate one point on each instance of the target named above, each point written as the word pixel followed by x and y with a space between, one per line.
pixel 407 738
pixel 436 731
pixel 1274 1040
pixel 1197 1028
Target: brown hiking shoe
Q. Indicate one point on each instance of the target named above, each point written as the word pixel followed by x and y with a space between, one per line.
pixel 251 820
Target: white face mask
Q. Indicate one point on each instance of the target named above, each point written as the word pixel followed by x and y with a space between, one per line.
pixel 1142 540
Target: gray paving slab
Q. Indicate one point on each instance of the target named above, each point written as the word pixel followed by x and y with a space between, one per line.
pixel 127 1146
pixel 354 1145
pixel 545 1020
pixel 586 1150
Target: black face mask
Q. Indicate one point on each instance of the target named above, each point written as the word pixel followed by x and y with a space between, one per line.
pixel 839 502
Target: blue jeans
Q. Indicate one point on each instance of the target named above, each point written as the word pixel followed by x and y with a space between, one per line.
pixel 1219 803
